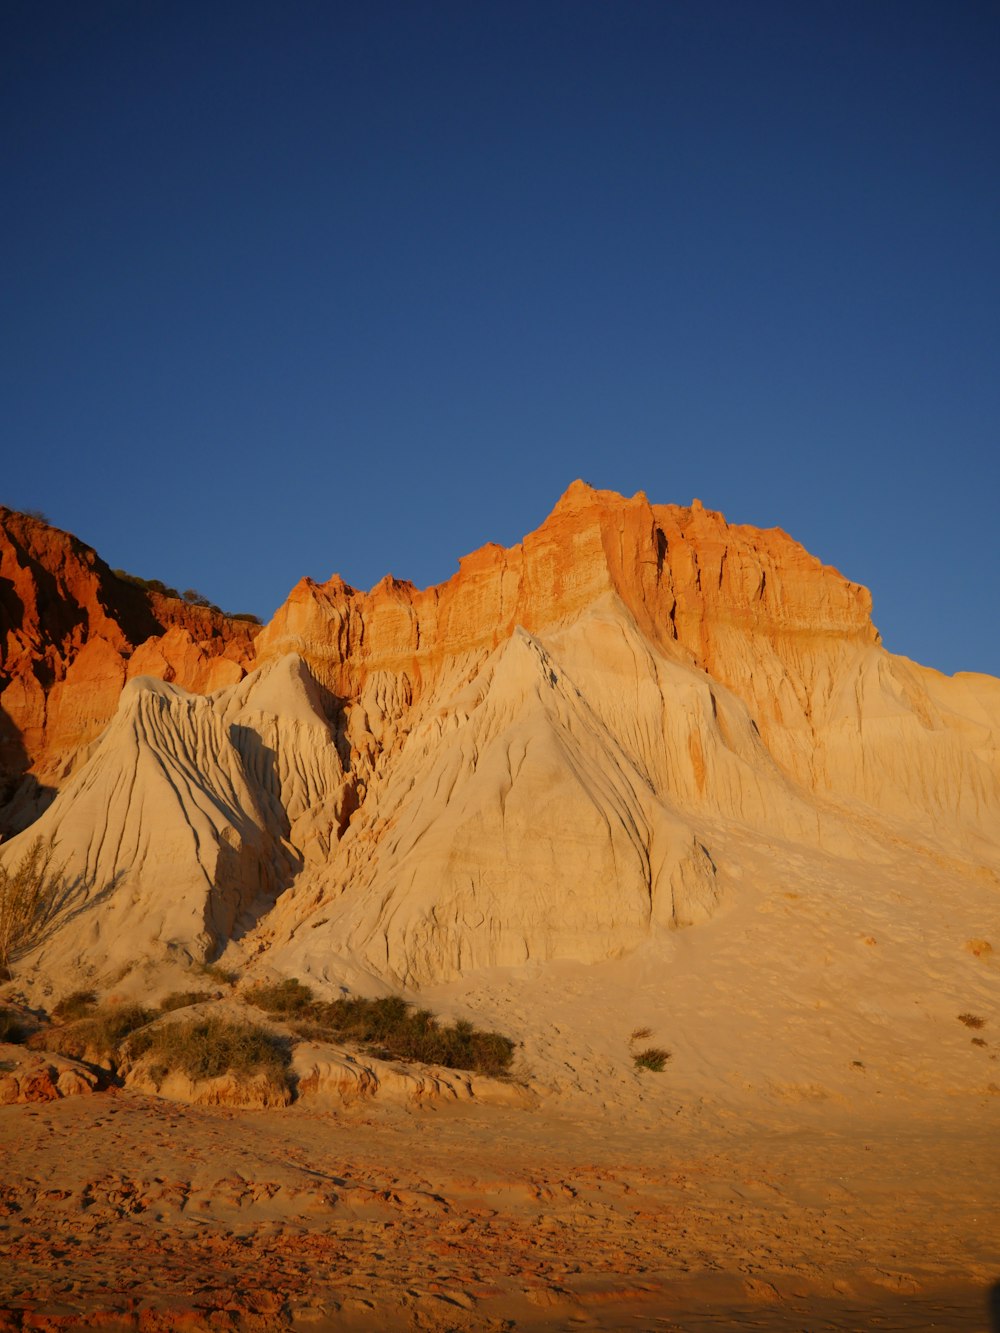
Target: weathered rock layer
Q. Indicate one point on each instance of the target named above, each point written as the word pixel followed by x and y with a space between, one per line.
pixel 71 633
pixel 531 761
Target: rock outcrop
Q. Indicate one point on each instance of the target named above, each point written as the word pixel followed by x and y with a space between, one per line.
pixel 71 633
pixel 39 1076
pixel 532 761
pixel 329 1077
pixel 172 837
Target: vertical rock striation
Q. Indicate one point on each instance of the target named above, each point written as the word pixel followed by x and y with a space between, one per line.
pixel 534 760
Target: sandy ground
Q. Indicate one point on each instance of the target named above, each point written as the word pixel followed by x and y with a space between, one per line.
pixel 121 1211
pixel 822 1150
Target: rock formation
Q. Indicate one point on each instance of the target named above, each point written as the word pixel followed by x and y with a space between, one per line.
pixel 535 760
pixel 71 633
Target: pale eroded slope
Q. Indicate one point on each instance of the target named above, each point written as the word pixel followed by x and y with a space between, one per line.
pixel 538 760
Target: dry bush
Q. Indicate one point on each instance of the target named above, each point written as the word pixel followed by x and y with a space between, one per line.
pixel 653 1058
pixel 183 999
pixel 99 1035
pixel 222 976
pixel 75 1005
pixel 29 895
pixel 972 1020
pixel 281 999
pixel 209 1047
pixel 390 1026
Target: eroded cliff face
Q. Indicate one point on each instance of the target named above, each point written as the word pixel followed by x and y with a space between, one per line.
pixel 690 580
pixel 751 609
pixel 71 635
pixel 539 759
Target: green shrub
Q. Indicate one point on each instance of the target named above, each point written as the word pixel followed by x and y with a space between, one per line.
pixel 208 1047
pixel 182 999
pixel 222 976
pixel 654 1058
pixel 75 1005
pixel 390 1026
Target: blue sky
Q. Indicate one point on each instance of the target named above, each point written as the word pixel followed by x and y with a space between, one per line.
pixel 291 289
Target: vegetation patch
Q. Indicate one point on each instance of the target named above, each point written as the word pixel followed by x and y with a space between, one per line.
pixel 390 1027
pixel 201 1048
pixel 183 999
pixel 148 585
pixel 972 1020
pixel 77 1004
pixel 283 999
pixel 99 1035
pixel 653 1058
pixel 30 892
pixel 222 976
pixel 190 595
pixel 210 1047
pixel 650 1057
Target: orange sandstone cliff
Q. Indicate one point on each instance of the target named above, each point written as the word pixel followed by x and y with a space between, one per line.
pixel 720 595
pixel 564 751
pixel 71 634
pixel 750 608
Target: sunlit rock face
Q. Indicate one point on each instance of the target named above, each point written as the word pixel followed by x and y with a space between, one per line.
pixel 535 760
pixel 71 634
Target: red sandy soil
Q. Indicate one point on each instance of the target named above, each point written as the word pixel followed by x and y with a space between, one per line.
pixel 119 1211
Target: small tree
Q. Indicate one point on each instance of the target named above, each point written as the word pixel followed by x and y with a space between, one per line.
pixel 29 894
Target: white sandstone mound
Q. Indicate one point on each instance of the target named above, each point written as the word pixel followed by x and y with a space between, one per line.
pixel 173 838
pixel 512 826
pixel 276 719
pixel 161 840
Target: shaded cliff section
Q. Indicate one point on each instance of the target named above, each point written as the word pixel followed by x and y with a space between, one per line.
pixel 72 632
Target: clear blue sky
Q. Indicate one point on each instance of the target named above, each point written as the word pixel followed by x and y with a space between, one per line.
pixel 304 287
